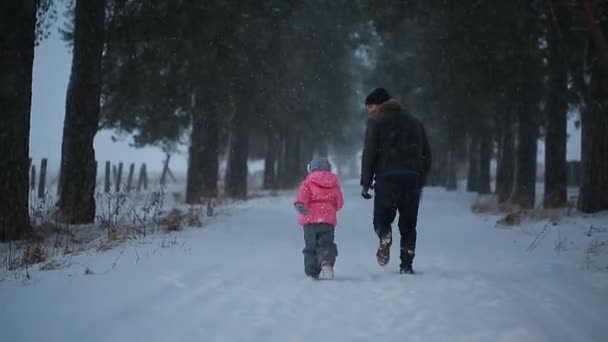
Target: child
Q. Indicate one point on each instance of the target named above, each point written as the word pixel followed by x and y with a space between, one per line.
pixel 319 199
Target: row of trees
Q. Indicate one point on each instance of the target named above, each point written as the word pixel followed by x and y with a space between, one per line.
pixel 258 79
pixel 278 80
pixel 491 78
pixel 242 79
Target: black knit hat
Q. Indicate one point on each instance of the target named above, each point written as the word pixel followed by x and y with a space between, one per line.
pixel 377 96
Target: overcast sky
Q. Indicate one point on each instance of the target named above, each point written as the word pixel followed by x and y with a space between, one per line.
pixel 51 72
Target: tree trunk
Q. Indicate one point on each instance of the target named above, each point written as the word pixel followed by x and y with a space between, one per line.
pixel 18 23
pixel 556 194
pixel 270 162
pixel 525 172
pixel 194 177
pixel 505 173
pixel 594 120
pixel 528 93
pixel 282 162
pixel 473 167
pixel 595 28
pixel 452 181
pixel 594 187
pixel 307 153
pixel 485 159
pixel 203 159
pixel 298 163
pixel 290 168
pixel 438 175
pixel 77 178
pixel 322 150
pixel 237 169
pixel 294 167
pixel 211 153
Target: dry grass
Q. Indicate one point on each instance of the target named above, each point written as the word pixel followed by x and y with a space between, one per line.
pixel 122 217
pixel 54 265
pixel 23 254
pixel 518 216
pixel 173 221
pixel 177 220
pixel 489 205
pixel 34 253
pixel 595 248
pixel 514 215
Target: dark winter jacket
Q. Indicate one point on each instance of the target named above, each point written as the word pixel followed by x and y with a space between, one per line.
pixel 395 141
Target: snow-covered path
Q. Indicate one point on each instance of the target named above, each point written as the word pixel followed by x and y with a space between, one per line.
pixel 241 279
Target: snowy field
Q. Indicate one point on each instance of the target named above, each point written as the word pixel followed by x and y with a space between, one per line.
pixel 240 278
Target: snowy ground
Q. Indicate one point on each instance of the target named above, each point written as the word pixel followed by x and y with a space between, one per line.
pixel 241 279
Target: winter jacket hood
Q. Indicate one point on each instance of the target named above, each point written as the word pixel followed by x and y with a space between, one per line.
pixel 321 195
pixel 323 179
pixel 391 105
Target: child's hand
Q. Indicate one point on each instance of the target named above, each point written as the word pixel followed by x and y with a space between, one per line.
pixel 301 209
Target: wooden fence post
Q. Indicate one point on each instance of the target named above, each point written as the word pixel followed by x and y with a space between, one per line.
pixel 130 177
pixel 163 177
pixel 106 187
pixel 42 182
pixel 143 178
pixel 118 177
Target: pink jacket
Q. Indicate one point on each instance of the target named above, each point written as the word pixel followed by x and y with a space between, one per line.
pixel 321 195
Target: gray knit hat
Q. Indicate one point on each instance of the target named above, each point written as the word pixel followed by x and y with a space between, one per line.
pixel 319 164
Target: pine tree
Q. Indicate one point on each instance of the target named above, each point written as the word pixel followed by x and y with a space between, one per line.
pixel 18 25
pixel 78 165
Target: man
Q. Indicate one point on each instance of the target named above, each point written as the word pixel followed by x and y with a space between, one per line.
pixel 397 156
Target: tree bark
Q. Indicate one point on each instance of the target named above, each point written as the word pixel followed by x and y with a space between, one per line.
pixel 594 186
pixel 294 166
pixel 270 161
pixel 594 122
pixel 452 181
pixel 524 193
pixel 203 159
pixel 438 174
pixel 290 168
pixel 473 166
pixel 18 26
pixel 599 40
pixel 322 150
pixel 505 173
pixel 77 178
pixel 307 153
pixel 485 158
pixel 282 161
pixel 556 194
pixel 237 169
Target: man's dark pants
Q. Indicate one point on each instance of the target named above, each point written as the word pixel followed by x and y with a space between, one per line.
pixel 398 192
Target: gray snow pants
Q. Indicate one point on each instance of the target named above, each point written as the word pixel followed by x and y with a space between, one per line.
pixel 320 248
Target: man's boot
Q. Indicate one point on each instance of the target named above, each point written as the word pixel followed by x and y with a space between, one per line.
pixel 407 258
pixel 384 250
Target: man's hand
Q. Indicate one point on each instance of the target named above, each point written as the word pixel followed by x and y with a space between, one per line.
pixel 365 193
pixel 301 208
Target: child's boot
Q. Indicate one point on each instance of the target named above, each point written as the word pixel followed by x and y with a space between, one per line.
pixel 327 271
